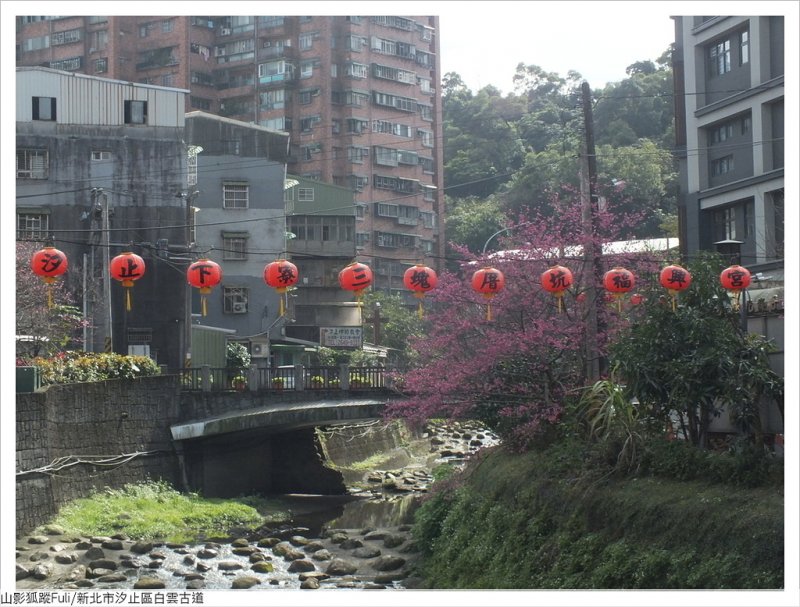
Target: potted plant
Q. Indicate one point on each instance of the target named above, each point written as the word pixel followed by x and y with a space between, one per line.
pixel 277 383
pixel 239 383
pixel 317 382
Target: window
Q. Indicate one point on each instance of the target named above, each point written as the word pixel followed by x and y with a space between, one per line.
pixel 44 108
pixel 722 165
pixel 744 48
pixel 66 37
pixel 136 112
pixel 306 69
pixel 100 156
pixel 273 100
pixel 32 225
pixel 407 157
pixel 235 195
pixel 234 300
pixel 357 153
pixel 201 103
pixel 234 246
pixel 32 164
pixel 722 133
pixel 306 96
pixel 166 25
pixel 68 65
pixel 307 151
pixel 305 194
pixel 98 41
pixel 101 65
pixel 719 57
pixel 357 70
pixel 746 125
pixel 385 156
pixel 306 41
pixel 307 124
pixel 428 219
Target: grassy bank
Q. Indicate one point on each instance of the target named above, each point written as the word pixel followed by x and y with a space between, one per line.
pixel 154 510
pixel 537 521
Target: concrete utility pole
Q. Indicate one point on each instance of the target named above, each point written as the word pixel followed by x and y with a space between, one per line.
pixel 591 254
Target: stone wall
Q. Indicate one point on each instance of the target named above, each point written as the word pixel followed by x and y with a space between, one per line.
pixel 78 438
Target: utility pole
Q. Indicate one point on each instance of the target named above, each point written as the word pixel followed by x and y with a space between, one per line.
pixel 591 255
pixel 375 321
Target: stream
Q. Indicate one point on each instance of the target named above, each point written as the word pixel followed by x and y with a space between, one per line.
pixel 360 540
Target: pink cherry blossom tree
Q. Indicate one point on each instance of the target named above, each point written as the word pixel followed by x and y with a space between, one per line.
pixel 516 371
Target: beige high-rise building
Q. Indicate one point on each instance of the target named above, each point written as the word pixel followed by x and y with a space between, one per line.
pixel 359 96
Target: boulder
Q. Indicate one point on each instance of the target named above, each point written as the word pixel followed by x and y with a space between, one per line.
pixel 240 542
pixel 244 581
pixel 94 553
pixel 322 555
pixel 42 571
pixel 53 530
pixel 112 578
pixel 263 567
pixel 388 562
pixel 299 540
pixel 350 544
pixel 38 539
pixel 229 565
pixel 195 584
pixel 141 547
pixel 311 583
pixel 149 583
pixel 22 572
pixel 301 565
pixel 394 540
pixel 367 552
pixel 341 567
pixel 207 553
pixel 103 564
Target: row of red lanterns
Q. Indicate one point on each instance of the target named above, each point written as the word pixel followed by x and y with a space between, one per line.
pixel 204 274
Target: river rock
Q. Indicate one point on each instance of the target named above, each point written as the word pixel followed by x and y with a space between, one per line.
pixel 76 573
pixel 311 583
pixel 267 542
pixel 97 573
pixel 388 578
pixel 388 562
pixel 195 584
pixel 84 583
pixel 103 564
pixel 58 548
pixel 240 542
pixel 366 552
pixel 22 572
pixel 338 537
pixel 229 565
pixel 257 557
pixel 142 547
pixel 375 536
pixel 149 583
pixel 244 550
pixel 301 565
pixel 189 559
pixel 94 553
pixel 263 567
pixel 99 539
pixel 112 577
pixel 203 567
pixel 351 543
pixel 341 567
pixel 131 562
pixel 42 571
pixel 393 540
pixel 313 546
pixel 322 555
pixel 38 555
pixel 299 540
pixel 207 553
pixel 155 564
pixel 244 581
pixel 38 539
pixel 83 545
pixel 53 529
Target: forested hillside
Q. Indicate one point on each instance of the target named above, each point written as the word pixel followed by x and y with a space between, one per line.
pixel 505 154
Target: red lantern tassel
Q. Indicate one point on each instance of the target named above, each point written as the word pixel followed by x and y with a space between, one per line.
pixel 49 296
pixel 203 305
pixel 127 300
pixel 281 307
pixel 419 309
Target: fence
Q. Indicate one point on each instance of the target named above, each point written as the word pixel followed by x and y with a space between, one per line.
pixel 297 377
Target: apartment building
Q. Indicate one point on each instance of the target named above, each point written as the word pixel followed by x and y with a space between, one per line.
pixel 358 96
pixel 729 95
pixel 99 167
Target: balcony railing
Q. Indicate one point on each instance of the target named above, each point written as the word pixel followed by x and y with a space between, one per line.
pixel 295 378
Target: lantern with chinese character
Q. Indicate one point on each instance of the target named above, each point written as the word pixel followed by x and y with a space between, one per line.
pixel 735 279
pixel 127 267
pixel 355 277
pixel 675 279
pixel 618 281
pixel 204 275
pixel 556 280
pixel 488 282
pixel 280 275
pixel 49 263
pixel 420 279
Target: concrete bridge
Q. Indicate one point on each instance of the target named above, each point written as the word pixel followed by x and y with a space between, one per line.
pixel 232 443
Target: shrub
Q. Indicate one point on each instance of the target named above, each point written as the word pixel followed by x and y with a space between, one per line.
pixel 76 366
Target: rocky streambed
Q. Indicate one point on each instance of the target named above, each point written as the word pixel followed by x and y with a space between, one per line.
pixel 358 541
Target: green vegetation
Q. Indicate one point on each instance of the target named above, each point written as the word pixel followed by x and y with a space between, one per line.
pixel 76 366
pixel 539 521
pixel 154 510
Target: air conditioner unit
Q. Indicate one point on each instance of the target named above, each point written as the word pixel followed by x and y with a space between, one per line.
pixel 225 31
pixel 239 307
pixel 259 349
pixel 139 350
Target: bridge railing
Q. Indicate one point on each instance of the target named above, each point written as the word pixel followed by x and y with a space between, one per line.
pixel 291 377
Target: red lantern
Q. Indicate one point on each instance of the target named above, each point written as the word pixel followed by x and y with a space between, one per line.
pixel 204 274
pixel 735 279
pixel 556 280
pixel 618 281
pixel 280 275
pixel 675 279
pixel 49 263
pixel 420 279
pixel 355 277
pixel 127 267
pixel 488 282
